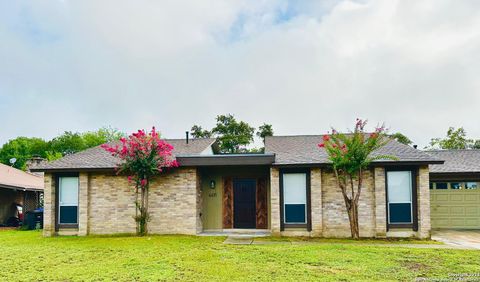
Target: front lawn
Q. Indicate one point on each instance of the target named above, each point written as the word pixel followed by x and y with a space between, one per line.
pixel 27 256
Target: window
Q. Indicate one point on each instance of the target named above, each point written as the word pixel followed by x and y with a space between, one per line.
pixel 456 185
pixel 295 198
pixel 399 189
pixel 471 185
pixel 68 200
pixel 441 185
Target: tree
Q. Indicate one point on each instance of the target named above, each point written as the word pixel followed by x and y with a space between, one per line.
pixel 144 156
pixel 401 138
pixel 68 143
pixel 233 136
pixel 265 130
pixel 23 149
pixel 199 132
pixel 101 136
pixel 350 155
pixel 455 139
pixel 476 144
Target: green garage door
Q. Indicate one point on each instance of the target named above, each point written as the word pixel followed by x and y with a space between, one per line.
pixel 455 205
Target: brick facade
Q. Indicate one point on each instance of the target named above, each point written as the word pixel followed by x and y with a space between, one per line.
pixel 106 204
pixel 316 201
pixel 423 190
pixel 380 203
pixel 275 201
pixel 329 216
pixel 49 205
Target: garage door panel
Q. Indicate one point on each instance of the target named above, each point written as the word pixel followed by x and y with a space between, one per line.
pixel 456 198
pixel 455 208
pixel 441 222
pixel 472 222
pixel 457 221
pixel 471 198
pixel 440 197
pixel 441 210
pixel 471 210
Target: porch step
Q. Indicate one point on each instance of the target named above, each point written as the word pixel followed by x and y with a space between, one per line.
pixel 238 233
pixel 239 240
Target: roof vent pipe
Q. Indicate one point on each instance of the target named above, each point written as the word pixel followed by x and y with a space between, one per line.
pixel 186 136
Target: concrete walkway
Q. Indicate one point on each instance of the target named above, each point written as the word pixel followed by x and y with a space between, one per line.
pixel 463 244
pixel 469 239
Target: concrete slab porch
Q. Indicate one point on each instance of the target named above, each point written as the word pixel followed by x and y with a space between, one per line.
pixel 456 237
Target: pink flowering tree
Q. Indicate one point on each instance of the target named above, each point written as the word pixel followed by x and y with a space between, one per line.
pixel 351 155
pixel 143 156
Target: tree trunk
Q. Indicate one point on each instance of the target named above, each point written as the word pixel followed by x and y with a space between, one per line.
pixel 137 208
pixel 142 207
pixel 351 204
pixel 353 218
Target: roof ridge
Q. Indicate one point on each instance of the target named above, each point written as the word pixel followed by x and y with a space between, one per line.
pixel 452 150
pixel 313 135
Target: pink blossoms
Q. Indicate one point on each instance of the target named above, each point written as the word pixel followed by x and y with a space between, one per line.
pixel 144 156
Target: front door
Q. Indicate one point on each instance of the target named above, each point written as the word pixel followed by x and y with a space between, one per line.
pixel 244 203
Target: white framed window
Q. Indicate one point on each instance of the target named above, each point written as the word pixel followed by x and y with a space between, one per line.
pixel 295 198
pixel 68 200
pixel 399 190
pixel 471 185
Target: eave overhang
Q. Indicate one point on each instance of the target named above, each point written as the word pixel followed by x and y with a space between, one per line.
pixel 226 160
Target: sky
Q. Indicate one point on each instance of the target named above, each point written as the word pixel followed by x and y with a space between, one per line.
pixel 302 66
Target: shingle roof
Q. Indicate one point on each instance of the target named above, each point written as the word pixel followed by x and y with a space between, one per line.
pixel 98 158
pixel 303 149
pixel 456 161
pixel 14 178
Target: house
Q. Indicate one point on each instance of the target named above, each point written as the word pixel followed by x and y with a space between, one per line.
pixel 288 190
pixel 18 188
pixel 455 189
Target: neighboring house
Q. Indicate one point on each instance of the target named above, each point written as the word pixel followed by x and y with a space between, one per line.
pixel 288 190
pixel 455 189
pixel 18 188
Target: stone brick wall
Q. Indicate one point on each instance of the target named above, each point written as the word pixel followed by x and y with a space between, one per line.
pixel 275 201
pixel 111 205
pixel 335 218
pixel 49 205
pixel 316 201
pixel 106 204
pixel 173 203
pixel 83 211
pixel 329 216
pixel 423 192
pixel 380 203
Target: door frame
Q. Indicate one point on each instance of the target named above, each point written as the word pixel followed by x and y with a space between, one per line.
pixel 58 225
pixel 414 176
pixel 254 180
pixel 228 216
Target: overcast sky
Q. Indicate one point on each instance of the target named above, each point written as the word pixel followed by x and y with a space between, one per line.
pixel 80 65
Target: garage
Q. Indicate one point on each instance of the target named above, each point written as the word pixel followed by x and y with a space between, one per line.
pixel 455 205
pixel 455 190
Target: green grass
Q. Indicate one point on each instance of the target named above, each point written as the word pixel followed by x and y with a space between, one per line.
pixel 27 256
pixel 366 241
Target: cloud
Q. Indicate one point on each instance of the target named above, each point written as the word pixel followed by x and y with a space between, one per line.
pixel 79 65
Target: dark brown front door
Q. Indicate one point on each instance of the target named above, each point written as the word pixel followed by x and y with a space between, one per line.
pixel 244 210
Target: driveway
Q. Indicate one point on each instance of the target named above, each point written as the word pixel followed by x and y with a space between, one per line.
pixel 464 238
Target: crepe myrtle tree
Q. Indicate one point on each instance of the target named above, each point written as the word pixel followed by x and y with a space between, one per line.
pixel 143 156
pixel 350 155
